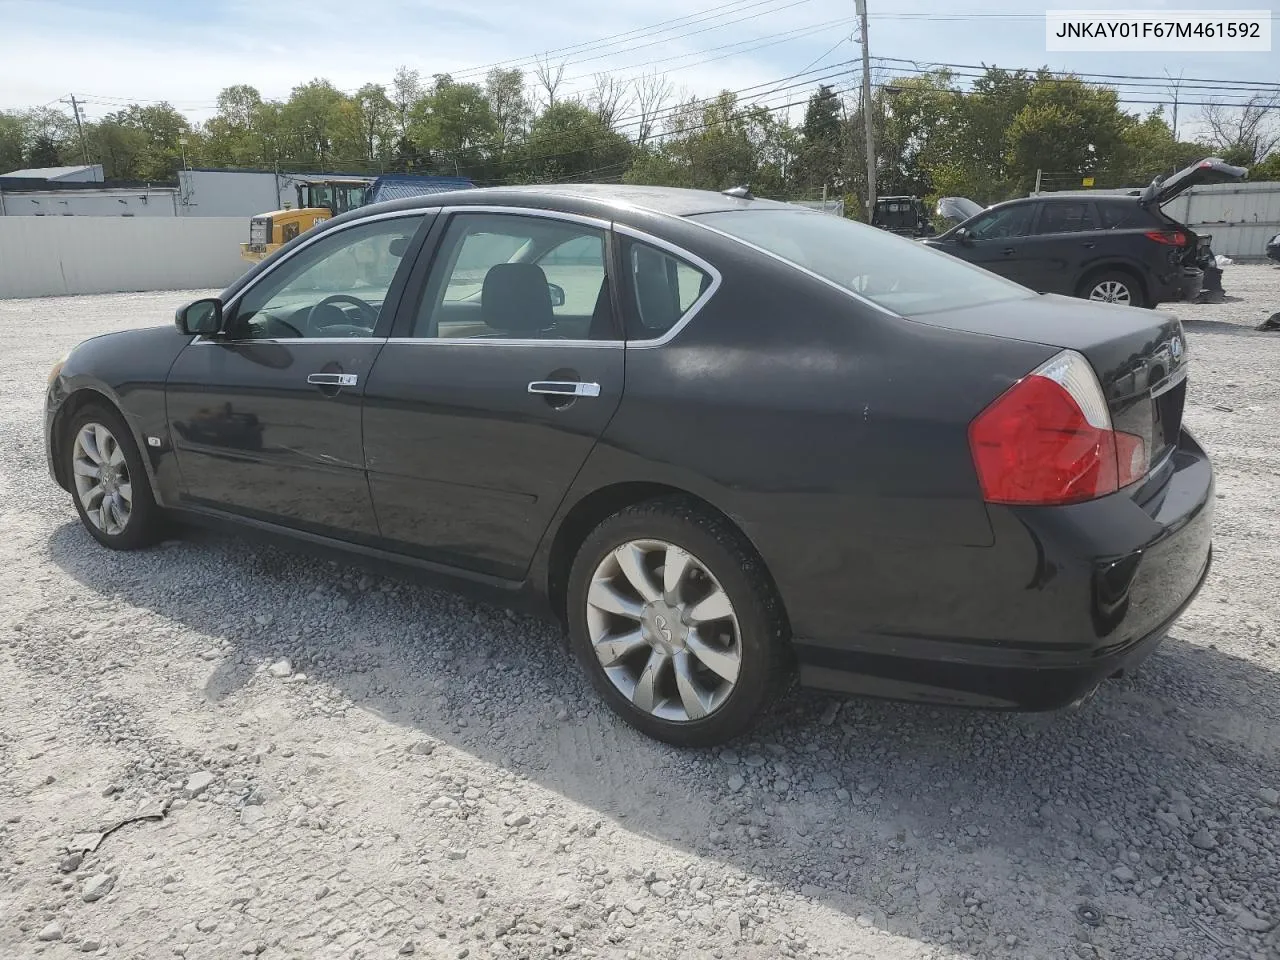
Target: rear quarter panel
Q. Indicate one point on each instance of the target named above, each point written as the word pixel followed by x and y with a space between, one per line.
pixel 833 434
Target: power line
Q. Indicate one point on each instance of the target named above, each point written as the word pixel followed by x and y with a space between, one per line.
pixel 1071 73
pixel 597 45
pixel 772 40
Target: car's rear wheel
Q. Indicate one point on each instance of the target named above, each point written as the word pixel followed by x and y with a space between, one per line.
pixel 1113 286
pixel 673 617
pixel 108 481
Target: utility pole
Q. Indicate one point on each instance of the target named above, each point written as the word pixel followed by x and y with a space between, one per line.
pixel 1176 87
pixel 84 150
pixel 1038 172
pixel 861 7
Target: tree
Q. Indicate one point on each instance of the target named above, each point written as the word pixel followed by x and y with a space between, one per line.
pixel 511 112
pixel 569 141
pixel 453 123
pixel 550 77
pixel 1066 126
pixel 821 145
pixel 311 119
pixel 374 117
pixel 718 144
pixel 118 144
pixel 1244 133
pixel 1149 151
pixel 12 147
pixel 406 91
pixel 233 134
pixel 1269 169
pixel 653 92
pixel 44 151
pixel 609 97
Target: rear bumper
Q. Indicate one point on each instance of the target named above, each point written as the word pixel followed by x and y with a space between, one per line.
pixel 1192 283
pixel 1065 598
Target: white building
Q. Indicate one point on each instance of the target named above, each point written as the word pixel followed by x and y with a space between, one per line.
pixel 88 173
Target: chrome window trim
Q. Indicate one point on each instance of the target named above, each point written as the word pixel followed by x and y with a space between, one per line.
pixel 640 236
pixel 577 218
pixel 796 266
pixel 509 342
pixel 680 253
pixel 292 341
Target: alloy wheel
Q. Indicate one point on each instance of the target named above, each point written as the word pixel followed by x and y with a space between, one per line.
pixel 664 630
pixel 102 479
pixel 1110 291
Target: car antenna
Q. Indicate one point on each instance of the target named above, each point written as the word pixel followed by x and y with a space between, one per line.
pixel 742 193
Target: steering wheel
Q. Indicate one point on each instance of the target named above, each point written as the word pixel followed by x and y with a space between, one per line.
pixel 315 316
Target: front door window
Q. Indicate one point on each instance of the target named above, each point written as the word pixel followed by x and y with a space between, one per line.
pixel 336 287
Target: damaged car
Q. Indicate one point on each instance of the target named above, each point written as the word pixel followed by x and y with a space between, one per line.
pixel 1117 248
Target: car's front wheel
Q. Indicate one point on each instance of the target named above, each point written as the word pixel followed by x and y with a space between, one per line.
pixel 675 620
pixel 108 481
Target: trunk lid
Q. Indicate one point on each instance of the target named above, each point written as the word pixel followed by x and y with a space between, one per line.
pixel 958 209
pixel 1208 170
pixel 1139 356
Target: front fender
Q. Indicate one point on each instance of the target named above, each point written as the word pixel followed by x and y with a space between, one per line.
pixel 127 370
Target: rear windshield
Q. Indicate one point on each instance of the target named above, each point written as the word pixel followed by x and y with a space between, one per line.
pixel 901 275
pixel 1123 214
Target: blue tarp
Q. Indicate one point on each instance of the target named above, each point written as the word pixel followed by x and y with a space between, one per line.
pixel 394 186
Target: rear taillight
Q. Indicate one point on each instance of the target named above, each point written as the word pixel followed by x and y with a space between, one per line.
pixel 1048 439
pixel 1174 238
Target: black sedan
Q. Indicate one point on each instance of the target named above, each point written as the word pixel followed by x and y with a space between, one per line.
pixel 718 437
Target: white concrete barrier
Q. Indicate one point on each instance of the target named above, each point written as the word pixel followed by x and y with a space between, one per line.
pixel 57 256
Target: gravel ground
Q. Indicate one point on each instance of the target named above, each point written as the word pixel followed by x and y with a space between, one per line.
pixel 356 766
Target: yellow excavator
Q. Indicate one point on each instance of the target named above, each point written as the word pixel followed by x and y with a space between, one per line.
pixel 318 200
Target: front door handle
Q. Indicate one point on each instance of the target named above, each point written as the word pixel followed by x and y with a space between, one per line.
pixel 1088 244
pixel 565 388
pixel 1008 251
pixel 333 379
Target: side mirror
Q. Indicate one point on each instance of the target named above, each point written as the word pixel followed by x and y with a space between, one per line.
pixel 398 246
pixel 962 236
pixel 557 294
pixel 200 317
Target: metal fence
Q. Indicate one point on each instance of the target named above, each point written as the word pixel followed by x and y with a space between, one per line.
pixel 834 207
pixel 56 256
pixel 1241 217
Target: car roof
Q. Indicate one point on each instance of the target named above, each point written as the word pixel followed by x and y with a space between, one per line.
pixel 599 198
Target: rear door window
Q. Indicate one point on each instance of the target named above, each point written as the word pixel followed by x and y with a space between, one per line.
pixel 1066 216
pixel 664 289
pixel 1117 216
pixel 1003 223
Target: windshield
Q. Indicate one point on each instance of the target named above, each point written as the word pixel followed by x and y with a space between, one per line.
pixel 901 275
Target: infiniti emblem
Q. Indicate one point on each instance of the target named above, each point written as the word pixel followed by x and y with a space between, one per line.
pixel 661 623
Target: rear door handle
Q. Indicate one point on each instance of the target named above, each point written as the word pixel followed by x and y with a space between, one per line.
pixel 565 388
pixel 1008 251
pixel 333 379
pixel 1088 244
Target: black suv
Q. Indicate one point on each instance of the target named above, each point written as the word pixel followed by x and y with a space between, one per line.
pixel 1121 248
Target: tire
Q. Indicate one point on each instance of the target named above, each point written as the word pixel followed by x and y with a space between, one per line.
pixel 673 657
pixel 125 516
pixel 1121 285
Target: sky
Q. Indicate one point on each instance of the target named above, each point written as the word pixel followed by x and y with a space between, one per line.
pixel 111 53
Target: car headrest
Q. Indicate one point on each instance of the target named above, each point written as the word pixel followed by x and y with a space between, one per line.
pixel 658 299
pixel 515 299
